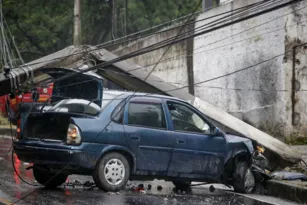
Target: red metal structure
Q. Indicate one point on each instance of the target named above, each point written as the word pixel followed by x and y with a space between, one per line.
pixel 44 94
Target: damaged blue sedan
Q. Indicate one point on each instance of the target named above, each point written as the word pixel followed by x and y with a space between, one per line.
pixel 123 136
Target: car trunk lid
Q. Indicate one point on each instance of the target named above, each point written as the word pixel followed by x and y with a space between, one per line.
pixel 88 86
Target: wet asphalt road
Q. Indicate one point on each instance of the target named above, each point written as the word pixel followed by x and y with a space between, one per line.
pixel 13 190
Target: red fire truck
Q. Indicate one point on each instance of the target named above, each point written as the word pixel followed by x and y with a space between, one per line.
pixel 44 94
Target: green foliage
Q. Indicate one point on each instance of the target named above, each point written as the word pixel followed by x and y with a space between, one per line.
pixel 41 27
pixel 296 140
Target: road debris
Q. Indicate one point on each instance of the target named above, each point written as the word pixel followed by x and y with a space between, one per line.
pixel 137 189
pixel 77 184
pixel 211 188
pixel 285 175
pixel 149 187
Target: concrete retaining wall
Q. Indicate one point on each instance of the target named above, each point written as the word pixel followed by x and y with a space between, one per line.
pixel 261 95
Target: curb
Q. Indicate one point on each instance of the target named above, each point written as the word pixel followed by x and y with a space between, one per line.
pixel 285 190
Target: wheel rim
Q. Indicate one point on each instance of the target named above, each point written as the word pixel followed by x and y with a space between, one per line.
pixel 114 171
pixel 249 182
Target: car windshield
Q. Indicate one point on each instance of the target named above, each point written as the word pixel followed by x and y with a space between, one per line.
pixel 82 106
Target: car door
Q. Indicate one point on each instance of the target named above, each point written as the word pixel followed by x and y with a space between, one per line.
pixel 197 154
pixel 147 135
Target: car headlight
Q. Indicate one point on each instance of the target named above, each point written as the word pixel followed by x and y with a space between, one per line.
pixel 260 149
pixel 73 135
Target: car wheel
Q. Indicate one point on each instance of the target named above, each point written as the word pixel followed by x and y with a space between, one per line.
pixel 244 179
pixel 48 179
pixel 181 184
pixel 112 172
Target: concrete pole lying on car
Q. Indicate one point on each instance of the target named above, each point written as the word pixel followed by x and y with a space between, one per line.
pixel 72 57
pixel 220 117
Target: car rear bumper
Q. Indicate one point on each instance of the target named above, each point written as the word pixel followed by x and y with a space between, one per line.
pixel 62 157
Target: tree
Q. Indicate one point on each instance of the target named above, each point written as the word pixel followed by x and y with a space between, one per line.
pixel 43 27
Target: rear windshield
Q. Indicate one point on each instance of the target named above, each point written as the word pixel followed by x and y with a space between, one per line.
pixel 82 106
pixel 79 87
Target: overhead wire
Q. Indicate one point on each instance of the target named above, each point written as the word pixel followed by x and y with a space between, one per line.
pixel 141 67
pixel 221 76
pixel 216 42
pixel 117 113
pixel 219 41
pixel 184 54
pixel 164 92
pixel 172 28
pixel 94 49
pixel 141 51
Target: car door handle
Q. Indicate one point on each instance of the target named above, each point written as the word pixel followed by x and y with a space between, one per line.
pixel 181 141
pixel 135 138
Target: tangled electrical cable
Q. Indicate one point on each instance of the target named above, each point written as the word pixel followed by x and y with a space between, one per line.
pixel 204 19
pixel 169 44
pixel 174 40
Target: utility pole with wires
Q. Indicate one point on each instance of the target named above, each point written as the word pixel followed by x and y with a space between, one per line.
pixel 77 23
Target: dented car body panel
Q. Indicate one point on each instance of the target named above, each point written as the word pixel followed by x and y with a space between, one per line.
pixel 162 137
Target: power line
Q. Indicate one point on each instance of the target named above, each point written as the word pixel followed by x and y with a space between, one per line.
pixel 123 106
pixel 200 1
pixel 154 47
pixel 181 84
pixel 231 73
pixel 120 73
pixel 78 53
pixel 192 22
pixel 166 92
pixel 240 70
pixel 222 39
pixel 183 54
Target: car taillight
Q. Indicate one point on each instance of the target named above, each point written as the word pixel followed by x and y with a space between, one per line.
pixel 73 135
pixel 17 135
pixel 18 132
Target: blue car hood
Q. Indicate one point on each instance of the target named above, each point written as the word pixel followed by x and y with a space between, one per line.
pixel 233 139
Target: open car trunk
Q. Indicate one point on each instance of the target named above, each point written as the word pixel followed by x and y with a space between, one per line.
pixel 87 86
pixel 47 126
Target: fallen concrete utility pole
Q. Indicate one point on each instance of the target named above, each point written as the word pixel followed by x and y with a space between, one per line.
pixel 220 117
pixel 72 57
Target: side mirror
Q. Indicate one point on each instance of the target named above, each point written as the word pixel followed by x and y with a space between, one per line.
pixel 215 131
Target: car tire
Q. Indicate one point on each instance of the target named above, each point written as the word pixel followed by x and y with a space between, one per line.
pixel 243 178
pixel 48 179
pixel 181 184
pixel 112 172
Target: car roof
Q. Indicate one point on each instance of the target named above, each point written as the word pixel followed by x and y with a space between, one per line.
pixel 129 93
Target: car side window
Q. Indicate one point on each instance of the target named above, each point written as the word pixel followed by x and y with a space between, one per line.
pixel 118 112
pixel 187 120
pixel 146 115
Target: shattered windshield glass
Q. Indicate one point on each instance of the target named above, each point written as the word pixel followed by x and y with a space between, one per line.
pixel 82 106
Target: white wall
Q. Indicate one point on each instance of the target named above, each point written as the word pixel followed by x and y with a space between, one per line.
pixel 172 67
pixel 257 94
pixel 261 95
